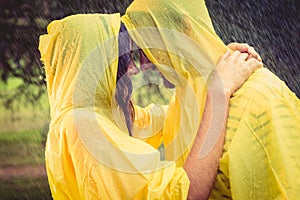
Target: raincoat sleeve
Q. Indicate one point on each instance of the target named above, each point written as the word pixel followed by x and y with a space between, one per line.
pixel 75 170
pixel 89 154
pixel 149 123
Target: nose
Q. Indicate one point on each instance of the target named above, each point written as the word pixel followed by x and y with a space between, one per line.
pixel 145 63
pixel 132 68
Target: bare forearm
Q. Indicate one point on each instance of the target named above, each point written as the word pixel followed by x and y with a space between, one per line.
pixel 201 166
pixel 202 163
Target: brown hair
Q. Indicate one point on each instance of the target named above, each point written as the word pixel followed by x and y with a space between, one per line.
pixel 123 83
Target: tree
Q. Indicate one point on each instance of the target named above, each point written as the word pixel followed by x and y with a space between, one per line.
pixel 271 26
pixel 21 24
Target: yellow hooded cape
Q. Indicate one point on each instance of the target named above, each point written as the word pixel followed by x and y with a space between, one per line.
pixel 261 157
pixel 89 154
pixel 181 42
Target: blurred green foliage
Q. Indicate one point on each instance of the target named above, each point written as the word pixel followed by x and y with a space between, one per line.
pixel 20 188
pixel 20 149
pixel 21 24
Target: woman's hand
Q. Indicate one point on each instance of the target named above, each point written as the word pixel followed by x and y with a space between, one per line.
pixel 244 48
pixel 234 68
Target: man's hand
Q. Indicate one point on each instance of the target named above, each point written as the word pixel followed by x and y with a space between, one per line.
pixel 245 48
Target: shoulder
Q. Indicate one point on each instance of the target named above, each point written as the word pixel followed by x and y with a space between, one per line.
pixel 263 93
pixel 262 85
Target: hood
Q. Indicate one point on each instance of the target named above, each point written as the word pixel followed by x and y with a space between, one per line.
pixel 80 55
pixel 178 37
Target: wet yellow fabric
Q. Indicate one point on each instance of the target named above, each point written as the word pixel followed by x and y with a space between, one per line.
pixel 89 153
pixel 148 123
pixel 178 37
pixel 261 158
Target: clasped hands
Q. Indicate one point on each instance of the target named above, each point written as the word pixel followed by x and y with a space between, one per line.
pixel 236 65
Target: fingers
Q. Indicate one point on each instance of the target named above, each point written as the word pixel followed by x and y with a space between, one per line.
pixel 248 67
pixel 253 64
pixel 225 56
pixel 235 57
pixel 238 57
pixel 245 48
pixel 242 47
pixel 253 54
pixel 232 46
pixel 242 57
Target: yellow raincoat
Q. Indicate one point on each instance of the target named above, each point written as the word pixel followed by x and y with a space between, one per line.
pixel 261 158
pixel 89 153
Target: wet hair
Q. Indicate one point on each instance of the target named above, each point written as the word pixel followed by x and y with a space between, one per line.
pixel 123 83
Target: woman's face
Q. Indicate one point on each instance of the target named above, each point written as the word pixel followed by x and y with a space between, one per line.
pixel 145 64
pixel 132 68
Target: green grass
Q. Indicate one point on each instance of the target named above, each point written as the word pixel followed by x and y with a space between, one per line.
pixel 22 138
pixel 24 188
pixel 21 148
pixel 17 149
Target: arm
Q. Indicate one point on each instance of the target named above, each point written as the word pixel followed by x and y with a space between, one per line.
pixel 232 71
